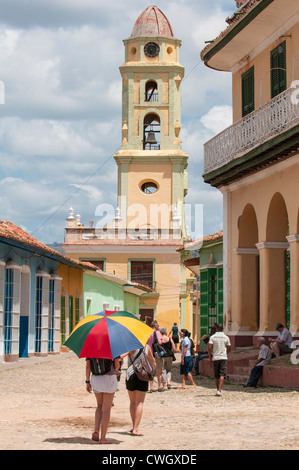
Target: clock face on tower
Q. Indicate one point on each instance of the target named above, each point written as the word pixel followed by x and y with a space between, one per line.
pixel 151 49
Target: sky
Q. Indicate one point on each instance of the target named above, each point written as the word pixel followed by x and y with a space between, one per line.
pixel 61 106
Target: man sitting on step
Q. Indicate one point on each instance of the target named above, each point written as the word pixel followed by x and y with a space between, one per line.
pixel 264 358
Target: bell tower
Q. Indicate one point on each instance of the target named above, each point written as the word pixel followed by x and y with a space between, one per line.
pixel 152 177
pixel 143 242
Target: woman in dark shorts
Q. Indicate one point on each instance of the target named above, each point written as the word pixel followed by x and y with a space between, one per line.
pixel 136 389
pixel 175 334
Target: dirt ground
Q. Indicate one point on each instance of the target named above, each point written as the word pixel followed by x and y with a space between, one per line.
pixel 44 406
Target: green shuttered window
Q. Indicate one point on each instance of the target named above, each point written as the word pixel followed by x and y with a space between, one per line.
pixel 248 92
pixel 211 298
pixel 278 70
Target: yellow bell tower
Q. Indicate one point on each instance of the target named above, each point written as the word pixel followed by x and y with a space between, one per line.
pixel 152 178
pixel 142 244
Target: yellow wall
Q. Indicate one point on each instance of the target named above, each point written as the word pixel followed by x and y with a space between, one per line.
pixel 262 74
pixel 72 280
pixel 281 180
pixel 166 275
pixel 162 175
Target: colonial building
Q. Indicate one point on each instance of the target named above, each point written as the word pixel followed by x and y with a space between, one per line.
pixel 255 164
pixel 204 258
pixel 149 226
pixel 43 294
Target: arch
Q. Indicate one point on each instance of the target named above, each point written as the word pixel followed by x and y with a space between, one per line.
pixel 248 278
pixel 248 228
pixel 275 261
pixel 277 220
pixel 151 132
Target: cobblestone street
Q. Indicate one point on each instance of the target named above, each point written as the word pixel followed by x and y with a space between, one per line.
pixel 44 405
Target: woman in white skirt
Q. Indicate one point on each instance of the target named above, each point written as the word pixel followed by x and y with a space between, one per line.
pixel 104 388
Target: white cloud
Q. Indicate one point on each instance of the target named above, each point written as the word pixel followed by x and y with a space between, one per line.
pixel 217 118
pixel 61 122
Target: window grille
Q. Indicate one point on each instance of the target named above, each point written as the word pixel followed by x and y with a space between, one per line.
pixel 62 320
pixel 8 305
pixel 51 316
pixel 38 313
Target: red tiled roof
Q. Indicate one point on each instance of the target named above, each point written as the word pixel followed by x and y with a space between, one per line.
pixel 213 237
pixel 152 22
pixel 208 238
pixel 11 231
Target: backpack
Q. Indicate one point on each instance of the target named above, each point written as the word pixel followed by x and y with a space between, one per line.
pixel 100 366
pixel 145 369
pixel 158 350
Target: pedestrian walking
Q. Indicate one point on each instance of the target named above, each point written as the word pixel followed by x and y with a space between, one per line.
pixel 101 378
pixel 175 332
pixel 264 358
pixel 136 388
pixel 156 337
pixel 170 349
pixel 219 346
pixel 186 359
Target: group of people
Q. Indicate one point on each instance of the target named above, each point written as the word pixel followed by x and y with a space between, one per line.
pixel 277 346
pixel 105 385
pixel 217 348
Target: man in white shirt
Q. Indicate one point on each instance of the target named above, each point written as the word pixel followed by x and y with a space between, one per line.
pixel 264 358
pixel 219 344
pixel 282 344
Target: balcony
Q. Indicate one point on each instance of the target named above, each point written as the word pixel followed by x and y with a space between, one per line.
pixel 249 137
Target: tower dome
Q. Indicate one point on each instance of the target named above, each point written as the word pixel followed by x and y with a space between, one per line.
pixel 152 22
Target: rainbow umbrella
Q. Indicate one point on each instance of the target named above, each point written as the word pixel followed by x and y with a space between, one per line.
pixel 108 335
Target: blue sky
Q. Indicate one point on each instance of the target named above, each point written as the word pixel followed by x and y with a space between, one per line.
pixel 61 121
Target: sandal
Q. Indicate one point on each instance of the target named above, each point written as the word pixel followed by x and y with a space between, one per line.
pixel 95 436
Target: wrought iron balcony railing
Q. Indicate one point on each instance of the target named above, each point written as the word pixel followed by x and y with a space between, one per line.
pixel 277 116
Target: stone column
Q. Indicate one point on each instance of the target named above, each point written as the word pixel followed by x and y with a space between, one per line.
pixel 294 270
pixel 272 284
pixel 247 290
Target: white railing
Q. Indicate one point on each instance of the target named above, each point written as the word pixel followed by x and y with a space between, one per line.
pixel 277 116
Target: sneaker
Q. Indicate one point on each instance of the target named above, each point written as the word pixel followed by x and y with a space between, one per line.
pixel 218 394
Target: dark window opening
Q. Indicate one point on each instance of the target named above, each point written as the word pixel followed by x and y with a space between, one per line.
pixel 97 262
pixel 151 91
pixel 151 132
pixel 142 272
pixel 149 187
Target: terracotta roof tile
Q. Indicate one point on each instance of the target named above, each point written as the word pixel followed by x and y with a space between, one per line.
pixel 11 231
pixel 152 22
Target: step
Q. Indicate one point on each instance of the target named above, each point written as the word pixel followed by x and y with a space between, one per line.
pixel 242 370
pixel 237 379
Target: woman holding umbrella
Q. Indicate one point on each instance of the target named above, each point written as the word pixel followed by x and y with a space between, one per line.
pixel 104 386
pixel 106 335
